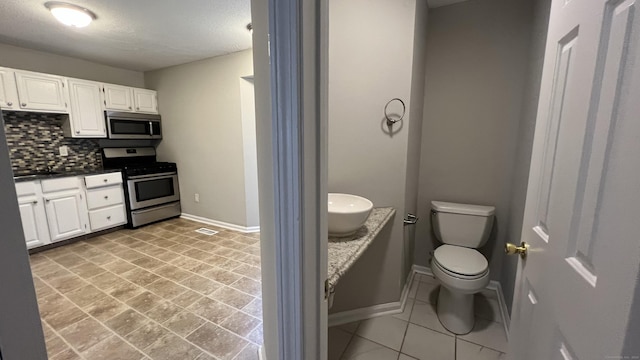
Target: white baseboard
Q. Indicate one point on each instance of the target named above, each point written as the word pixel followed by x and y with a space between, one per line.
pixel 391 308
pixel 261 354
pixel 397 307
pixel 200 219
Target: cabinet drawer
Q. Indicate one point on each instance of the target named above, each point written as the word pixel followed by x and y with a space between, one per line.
pixel 68 183
pixel 95 181
pixel 102 197
pixel 107 217
pixel 26 188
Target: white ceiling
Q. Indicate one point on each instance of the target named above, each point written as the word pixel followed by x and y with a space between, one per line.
pixel 138 35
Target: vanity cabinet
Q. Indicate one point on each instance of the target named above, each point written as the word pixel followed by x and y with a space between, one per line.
pixel 41 92
pixel 8 90
pixel 86 118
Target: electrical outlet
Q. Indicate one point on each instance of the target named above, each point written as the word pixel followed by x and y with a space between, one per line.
pixel 64 150
pixel 197 197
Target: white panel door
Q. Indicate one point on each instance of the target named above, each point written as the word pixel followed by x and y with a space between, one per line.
pixel 41 92
pixel 118 98
pixel 8 90
pixel 66 215
pixel 146 101
pixel 34 221
pixel 87 116
pixel 576 285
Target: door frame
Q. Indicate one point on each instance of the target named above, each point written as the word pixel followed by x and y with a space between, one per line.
pixel 291 116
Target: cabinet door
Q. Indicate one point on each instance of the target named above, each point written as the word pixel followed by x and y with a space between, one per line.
pixel 87 117
pixel 41 92
pixel 34 221
pixel 66 215
pixel 146 101
pixel 117 97
pixel 8 90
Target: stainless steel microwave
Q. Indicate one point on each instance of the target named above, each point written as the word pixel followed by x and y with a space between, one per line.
pixel 123 125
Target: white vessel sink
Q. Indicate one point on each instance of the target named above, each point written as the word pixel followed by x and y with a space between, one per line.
pixel 347 213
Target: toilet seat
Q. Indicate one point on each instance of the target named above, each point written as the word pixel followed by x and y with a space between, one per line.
pixel 460 262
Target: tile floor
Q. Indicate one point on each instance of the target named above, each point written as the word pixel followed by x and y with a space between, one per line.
pixel 417 333
pixel 159 292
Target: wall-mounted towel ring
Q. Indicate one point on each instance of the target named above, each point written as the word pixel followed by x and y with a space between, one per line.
pixel 391 121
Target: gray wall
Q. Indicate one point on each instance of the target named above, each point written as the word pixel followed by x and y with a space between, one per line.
pixel 525 142
pixel 475 75
pixel 369 64
pixel 32 60
pixel 21 334
pixel 202 121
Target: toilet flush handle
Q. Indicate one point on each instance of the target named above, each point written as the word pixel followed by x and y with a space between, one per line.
pixel 411 219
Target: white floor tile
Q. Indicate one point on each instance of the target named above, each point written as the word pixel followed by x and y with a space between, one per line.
pixel 350 327
pixel 405 357
pixel 487 308
pixel 487 333
pixel 489 293
pixel 428 278
pixel 428 292
pixel 424 314
pixel 468 351
pixel 425 344
pixel 414 288
pixel 363 349
pixel 385 330
pixel 338 341
pixel 408 306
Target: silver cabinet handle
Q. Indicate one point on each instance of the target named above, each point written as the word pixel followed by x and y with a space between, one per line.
pixel 35 202
pixel 129 107
pixel 24 104
pixel 47 200
pixel 109 217
pixel 106 197
pixel 137 108
pixel 77 131
pixel 9 103
pixel 151 128
pixel 105 180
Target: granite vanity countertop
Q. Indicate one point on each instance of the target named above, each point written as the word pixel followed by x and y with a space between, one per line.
pixel 345 251
pixel 61 174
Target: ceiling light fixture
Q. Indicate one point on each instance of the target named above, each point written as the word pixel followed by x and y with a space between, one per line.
pixel 69 14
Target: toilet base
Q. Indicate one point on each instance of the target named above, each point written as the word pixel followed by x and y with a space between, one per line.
pixel 455 311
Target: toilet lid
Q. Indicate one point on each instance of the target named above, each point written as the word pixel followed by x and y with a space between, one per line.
pixel 461 260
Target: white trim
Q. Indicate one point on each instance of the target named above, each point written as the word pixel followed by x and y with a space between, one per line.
pixel 391 308
pixel 261 354
pixel 204 220
pixel 397 307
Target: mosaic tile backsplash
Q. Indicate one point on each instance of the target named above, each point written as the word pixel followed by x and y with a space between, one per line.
pixel 34 140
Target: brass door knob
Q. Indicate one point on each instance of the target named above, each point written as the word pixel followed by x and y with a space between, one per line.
pixel 511 249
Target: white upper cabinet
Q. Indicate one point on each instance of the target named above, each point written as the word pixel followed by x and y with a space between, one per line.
pixel 118 98
pixel 41 92
pixel 8 90
pixel 146 101
pixel 87 112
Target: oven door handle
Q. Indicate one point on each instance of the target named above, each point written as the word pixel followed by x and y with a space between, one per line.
pixel 167 174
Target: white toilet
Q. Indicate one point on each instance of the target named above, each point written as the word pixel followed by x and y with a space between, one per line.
pixel 459 267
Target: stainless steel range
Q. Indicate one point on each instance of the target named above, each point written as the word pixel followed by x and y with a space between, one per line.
pixel 152 188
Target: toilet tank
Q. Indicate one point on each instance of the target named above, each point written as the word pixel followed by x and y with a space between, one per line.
pixel 462 224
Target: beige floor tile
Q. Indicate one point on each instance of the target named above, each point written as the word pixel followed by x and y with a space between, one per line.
pixel 201 284
pixel 119 266
pixel 187 298
pixel 140 277
pixel 222 276
pixel 385 330
pixel 241 323
pixel 468 351
pixel 126 322
pixel 148 263
pixel 254 308
pixel 184 323
pixel 257 335
pixel 144 302
pixel 102 259
pixel 212 310
pixel 424 314
pixel 69 260
pixel 146 335
pixel 106 281
pixel 250 352
pixel 166 288
pixel 172 272
pixel 425 344
pixel 42 289
pixel 124 290
pixel 405 357
pixel 164 311
pixel 68 283
pixel 84 334
pixel 221 343
pixel 112 348
pixel 87 270
pixel 363 349
pixel 85 295
pixel 68 354
pixel 64 318
pixel 172 347
pixel 53 304
pixel 248 286
pixel 106 308
pixel 232 297
pixel 54 344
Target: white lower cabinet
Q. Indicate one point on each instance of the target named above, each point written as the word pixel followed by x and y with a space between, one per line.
pixel 65 215
pixel 63 208
pixel 34 221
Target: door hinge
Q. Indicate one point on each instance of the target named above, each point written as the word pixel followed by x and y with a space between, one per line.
pixel 326 289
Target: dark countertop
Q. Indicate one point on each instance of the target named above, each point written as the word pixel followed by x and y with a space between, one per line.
pixel 61 174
